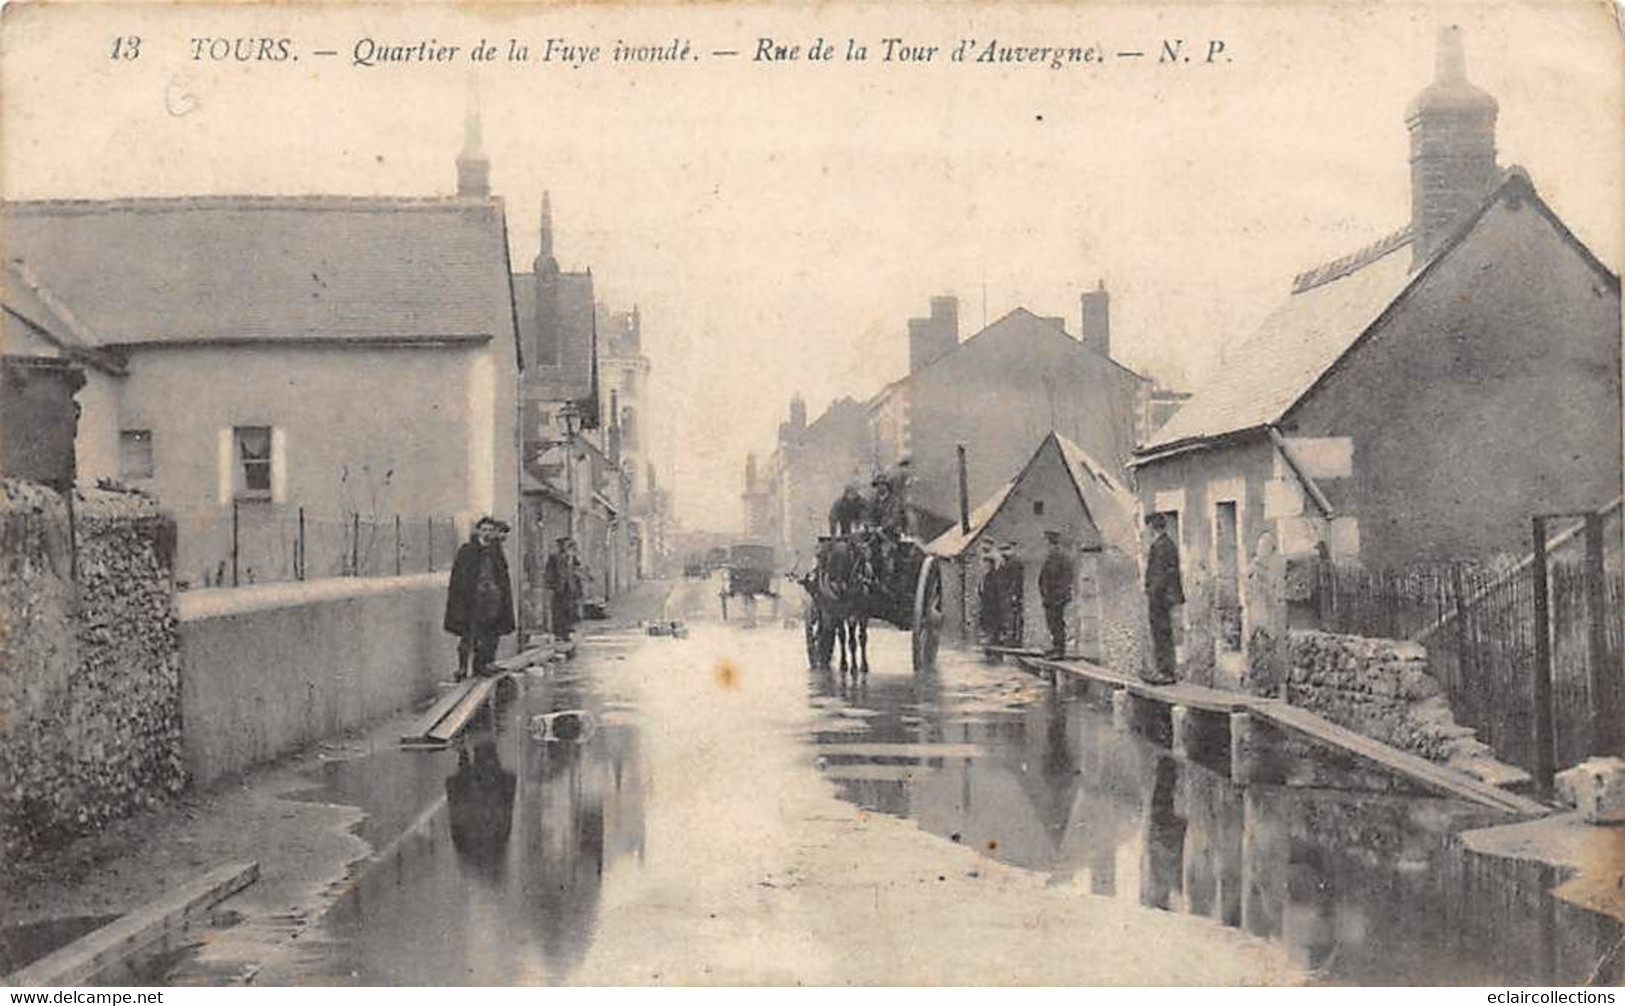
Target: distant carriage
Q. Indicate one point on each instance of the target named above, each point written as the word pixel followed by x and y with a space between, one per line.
pixel 748 574
pixel 866 576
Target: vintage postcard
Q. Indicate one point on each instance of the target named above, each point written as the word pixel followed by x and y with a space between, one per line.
pixel 871 493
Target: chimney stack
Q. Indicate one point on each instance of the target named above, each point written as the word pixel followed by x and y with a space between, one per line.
pixel 935 336
pixel 1452 127
pixel 1096 322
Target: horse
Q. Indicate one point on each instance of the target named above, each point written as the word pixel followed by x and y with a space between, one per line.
pixel 842 588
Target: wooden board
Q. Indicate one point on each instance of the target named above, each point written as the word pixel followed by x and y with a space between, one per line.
pixel 1432 775
pixel 419 730
pixel 125 936
pixel 464 710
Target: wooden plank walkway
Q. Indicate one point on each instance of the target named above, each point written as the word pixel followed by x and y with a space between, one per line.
pixel 451 712
pixel 1431 775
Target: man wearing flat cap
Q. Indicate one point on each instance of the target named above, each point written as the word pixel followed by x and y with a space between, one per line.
pixel 479 601
pixel 1055 579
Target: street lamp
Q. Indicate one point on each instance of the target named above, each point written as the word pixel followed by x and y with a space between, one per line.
pixel 569 416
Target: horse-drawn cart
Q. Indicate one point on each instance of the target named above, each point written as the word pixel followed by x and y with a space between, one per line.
pixel 869 575
pixel 748 574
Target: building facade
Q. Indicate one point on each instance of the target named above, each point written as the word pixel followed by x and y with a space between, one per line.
pixel 1418 401
pixel 998 393
pixel 282 378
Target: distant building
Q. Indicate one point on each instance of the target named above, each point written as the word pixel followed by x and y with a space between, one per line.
pixel 350 359
pixel 998 393
pixel 1416 401
pixel 576 483
pixel 812 465
pixel 1060 488
pixel 759 522
pixel 625 370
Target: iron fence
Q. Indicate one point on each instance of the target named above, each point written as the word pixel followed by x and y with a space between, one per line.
pixel 253 542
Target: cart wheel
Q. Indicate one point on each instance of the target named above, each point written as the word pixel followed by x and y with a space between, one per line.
pixel 928 617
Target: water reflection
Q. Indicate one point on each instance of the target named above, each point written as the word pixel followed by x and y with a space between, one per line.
pixel 479 800
pixel 1360 887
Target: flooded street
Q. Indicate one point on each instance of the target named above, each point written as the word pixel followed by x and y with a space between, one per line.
pixel 727 815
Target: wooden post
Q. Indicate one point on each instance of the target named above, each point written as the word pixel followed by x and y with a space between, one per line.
pixel 1183 729
pixel 355 544
pixel 397 544
pixel 1122 709
pixel 431 544
pixel 1244 748
pixel 1605 707
pixel 1542 769
pixel 234 543
pixel 964 492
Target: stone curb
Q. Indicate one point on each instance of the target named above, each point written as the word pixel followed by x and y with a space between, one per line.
pixel 97 951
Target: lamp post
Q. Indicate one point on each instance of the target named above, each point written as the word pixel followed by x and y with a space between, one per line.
pixel 570 417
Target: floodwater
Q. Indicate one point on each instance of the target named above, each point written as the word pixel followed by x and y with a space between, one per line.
pixel 512 860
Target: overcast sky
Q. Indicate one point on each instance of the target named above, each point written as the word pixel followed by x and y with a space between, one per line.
pixel 779 223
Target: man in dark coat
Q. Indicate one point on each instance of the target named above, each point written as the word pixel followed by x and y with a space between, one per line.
pixel 479 602
pixel 990 597
pixel 848 511
pixel 1055 589
pixel 1164 592
pixel 559 577
pixel 1013 588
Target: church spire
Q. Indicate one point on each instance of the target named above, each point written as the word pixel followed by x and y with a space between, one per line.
pixel 545 262
pixel 473 170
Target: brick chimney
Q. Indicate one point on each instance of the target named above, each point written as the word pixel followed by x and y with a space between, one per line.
pixel 1452 127
pixel 935 336
pixel 1095 329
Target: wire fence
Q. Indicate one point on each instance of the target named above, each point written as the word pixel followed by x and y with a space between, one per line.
pixel 1479 624
pixel 254 542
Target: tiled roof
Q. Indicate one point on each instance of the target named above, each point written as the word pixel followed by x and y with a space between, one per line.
pixel 27 300
pixel 1110 505
pixel 1329 308
pixel 236 268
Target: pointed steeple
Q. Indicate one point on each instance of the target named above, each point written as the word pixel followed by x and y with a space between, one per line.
pixel 545 262
pixel 473 170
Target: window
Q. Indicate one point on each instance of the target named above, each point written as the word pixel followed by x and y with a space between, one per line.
pixel 253 478
pixel 135 454
pixel 1038 508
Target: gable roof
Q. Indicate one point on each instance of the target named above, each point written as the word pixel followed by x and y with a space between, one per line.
pixel 1105 501
pixel 30 303
pixel 225 269
pixel 1018 321
pixel 1329 313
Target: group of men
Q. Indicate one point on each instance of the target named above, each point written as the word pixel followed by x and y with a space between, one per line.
pixel 882 510
pixel 1002 593
pixel 479 599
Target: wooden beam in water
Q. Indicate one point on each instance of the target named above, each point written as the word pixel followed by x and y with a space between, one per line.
pixel 419 730
pixel 465 709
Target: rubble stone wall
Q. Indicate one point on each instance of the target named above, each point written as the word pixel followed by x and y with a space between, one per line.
pixel 1377 687
pixel 90 713
pixel 271 668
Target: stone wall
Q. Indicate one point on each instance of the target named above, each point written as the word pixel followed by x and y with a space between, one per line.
pixel 271 668
pixel 90 717
pixel 1377 687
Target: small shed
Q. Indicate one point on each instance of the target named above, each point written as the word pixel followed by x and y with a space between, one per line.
pixel 1064 489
